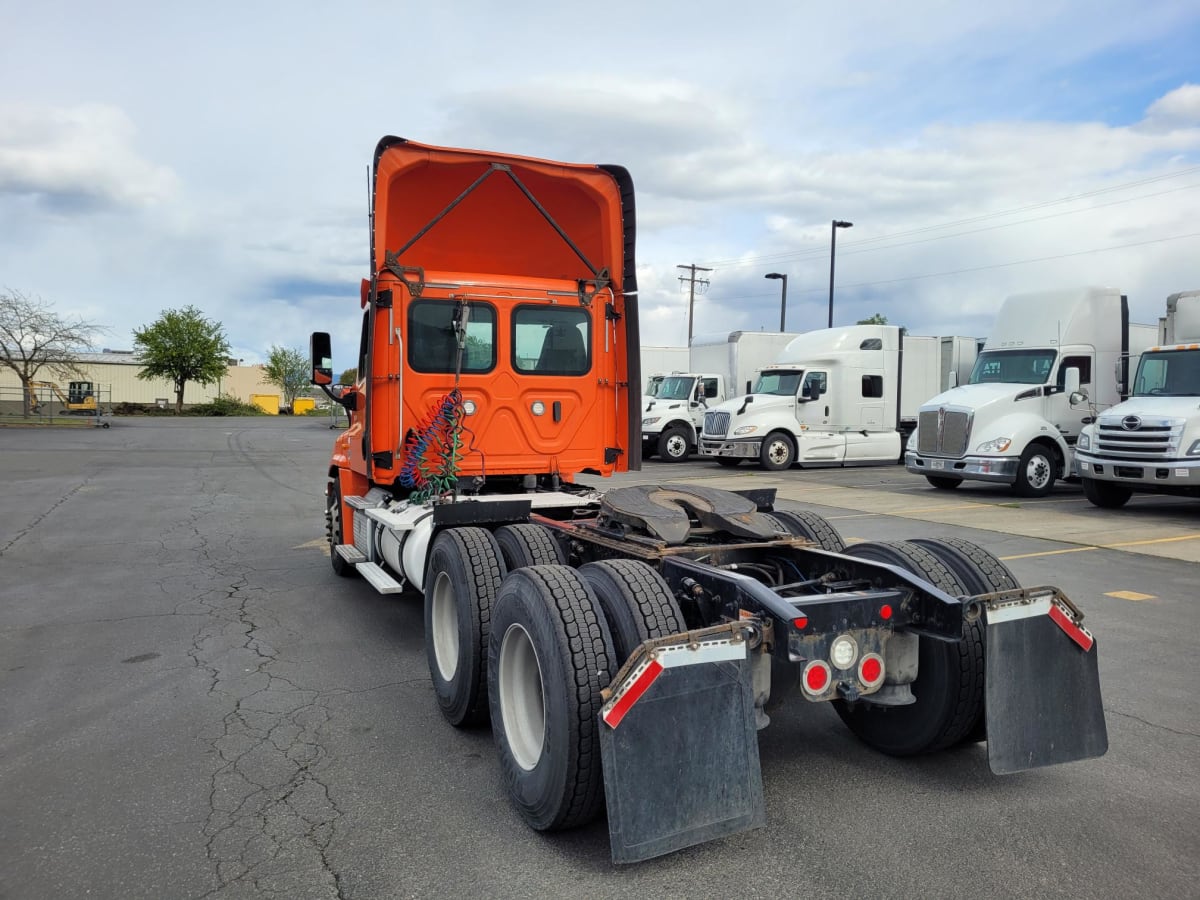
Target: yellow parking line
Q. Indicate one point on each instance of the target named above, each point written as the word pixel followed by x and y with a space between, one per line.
pixel 1130 595
pixel 1048 553
pixel 1170 540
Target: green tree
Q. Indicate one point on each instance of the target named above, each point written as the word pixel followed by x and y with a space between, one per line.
pixel 350 376
pixel 879 319
pixel 33 336
pixel 184 346
pixel 287 369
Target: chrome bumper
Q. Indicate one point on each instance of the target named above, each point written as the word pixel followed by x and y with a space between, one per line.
pixel 737 449
pixel 1178 473
pixel 973 468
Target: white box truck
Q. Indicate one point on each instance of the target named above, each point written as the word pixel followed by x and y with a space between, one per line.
pixel 719 366
pixel 835 397
pixel 1013 421
pixel 658 362
pixel 1150 443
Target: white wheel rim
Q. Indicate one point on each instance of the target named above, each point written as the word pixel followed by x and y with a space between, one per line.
pixel 777 452
pixel 444 623
pixel 522 702
pixel 676 446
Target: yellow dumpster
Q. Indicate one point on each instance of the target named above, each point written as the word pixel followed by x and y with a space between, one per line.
pixel 268 403
pixel 303 405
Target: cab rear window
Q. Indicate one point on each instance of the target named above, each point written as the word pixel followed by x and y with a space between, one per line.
pixel 552 340
pixel 431 343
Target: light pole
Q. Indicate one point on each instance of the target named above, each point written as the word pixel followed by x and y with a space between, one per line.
pixel 837 223
pixel 782 299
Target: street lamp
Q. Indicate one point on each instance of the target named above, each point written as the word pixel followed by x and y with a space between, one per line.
pixel 837 223
pixel 782 299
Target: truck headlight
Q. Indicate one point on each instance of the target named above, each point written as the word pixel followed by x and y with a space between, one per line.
pixel 745 429
pixel 997 445
pixel 1085 442
pixel 651 420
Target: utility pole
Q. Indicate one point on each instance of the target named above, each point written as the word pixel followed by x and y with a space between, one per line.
pixel 692 281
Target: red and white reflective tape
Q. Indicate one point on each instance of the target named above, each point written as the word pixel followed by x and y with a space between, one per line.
pixel 1045 605
pixel 1076 632
pixel 639 681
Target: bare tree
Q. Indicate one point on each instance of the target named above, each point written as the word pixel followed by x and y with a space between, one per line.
pixel 34 337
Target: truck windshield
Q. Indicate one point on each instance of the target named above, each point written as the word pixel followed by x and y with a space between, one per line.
pixel 783 384
pixel 1013 366
pixel 1168 373
pixel 653 385
pixel 673 387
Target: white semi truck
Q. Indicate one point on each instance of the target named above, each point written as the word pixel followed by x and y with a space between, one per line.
pixel 1013 422
pixel 836 397
pixel 719 366
pixel 1151 442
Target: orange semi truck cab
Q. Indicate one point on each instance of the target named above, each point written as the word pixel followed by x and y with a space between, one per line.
pixel 626 645
pixel 502 297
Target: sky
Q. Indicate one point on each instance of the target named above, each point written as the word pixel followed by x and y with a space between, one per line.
pixel 157 155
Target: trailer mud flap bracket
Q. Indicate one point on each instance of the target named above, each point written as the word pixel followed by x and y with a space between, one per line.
pixel 1042 682
pixel 679 747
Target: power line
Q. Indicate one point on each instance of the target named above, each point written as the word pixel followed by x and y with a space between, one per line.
pixel 821 251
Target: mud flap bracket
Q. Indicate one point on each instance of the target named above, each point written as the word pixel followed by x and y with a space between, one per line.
pixel 679 746
pixel 1042 682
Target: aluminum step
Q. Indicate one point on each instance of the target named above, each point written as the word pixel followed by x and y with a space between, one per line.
pixel 351 554
pixel 379 579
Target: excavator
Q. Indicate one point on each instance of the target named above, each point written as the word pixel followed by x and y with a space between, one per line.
pixel 79 400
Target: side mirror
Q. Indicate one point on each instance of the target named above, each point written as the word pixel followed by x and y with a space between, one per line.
pixel 1071 380
pixel 321 357
pixel 952 379
pixel 1077 398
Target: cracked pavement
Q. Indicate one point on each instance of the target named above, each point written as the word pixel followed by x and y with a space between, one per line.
pixel 192 705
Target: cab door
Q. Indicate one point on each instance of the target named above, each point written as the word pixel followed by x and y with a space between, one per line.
pixel 817 441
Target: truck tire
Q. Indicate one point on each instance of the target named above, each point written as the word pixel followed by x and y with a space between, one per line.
pixel 1036 471
pixel 949 685
pixel 465 571
pixel 728 462
pixel 980 573
pixel 333 529
pixel 942 483
pixel 637 603
pixel 674 444
pixel 809 525
pixel 527 544
pixel 1105 494
pixel 778 452
pixel 549 656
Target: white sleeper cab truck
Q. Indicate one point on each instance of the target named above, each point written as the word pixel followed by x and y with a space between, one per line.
pixel 1014 422
pixel 836 397
pixel 1151 442
pixel 721 365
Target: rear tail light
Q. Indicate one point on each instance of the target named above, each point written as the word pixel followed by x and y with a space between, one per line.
pixel 870 670
pixel 800 623
pixel 817 677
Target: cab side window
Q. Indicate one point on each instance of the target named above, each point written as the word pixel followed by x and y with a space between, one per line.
pixel 1082 363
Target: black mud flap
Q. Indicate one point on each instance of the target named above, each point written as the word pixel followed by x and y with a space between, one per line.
pixel 1043 683
pixel 680 749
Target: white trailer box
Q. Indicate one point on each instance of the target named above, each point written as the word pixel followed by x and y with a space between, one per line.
pixel 660 361
pixel 1150 443
pixel 1013 421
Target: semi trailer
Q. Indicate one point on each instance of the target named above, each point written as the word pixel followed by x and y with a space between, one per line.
pixel 627 645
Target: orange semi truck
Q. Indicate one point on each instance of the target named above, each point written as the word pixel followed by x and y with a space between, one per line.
pixel 626 645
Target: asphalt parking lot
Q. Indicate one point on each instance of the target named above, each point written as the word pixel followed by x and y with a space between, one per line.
pixel 193 705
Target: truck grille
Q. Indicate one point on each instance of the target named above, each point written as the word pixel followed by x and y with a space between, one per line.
pixel 1134 438
pixel 943 432
pixel 716 423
